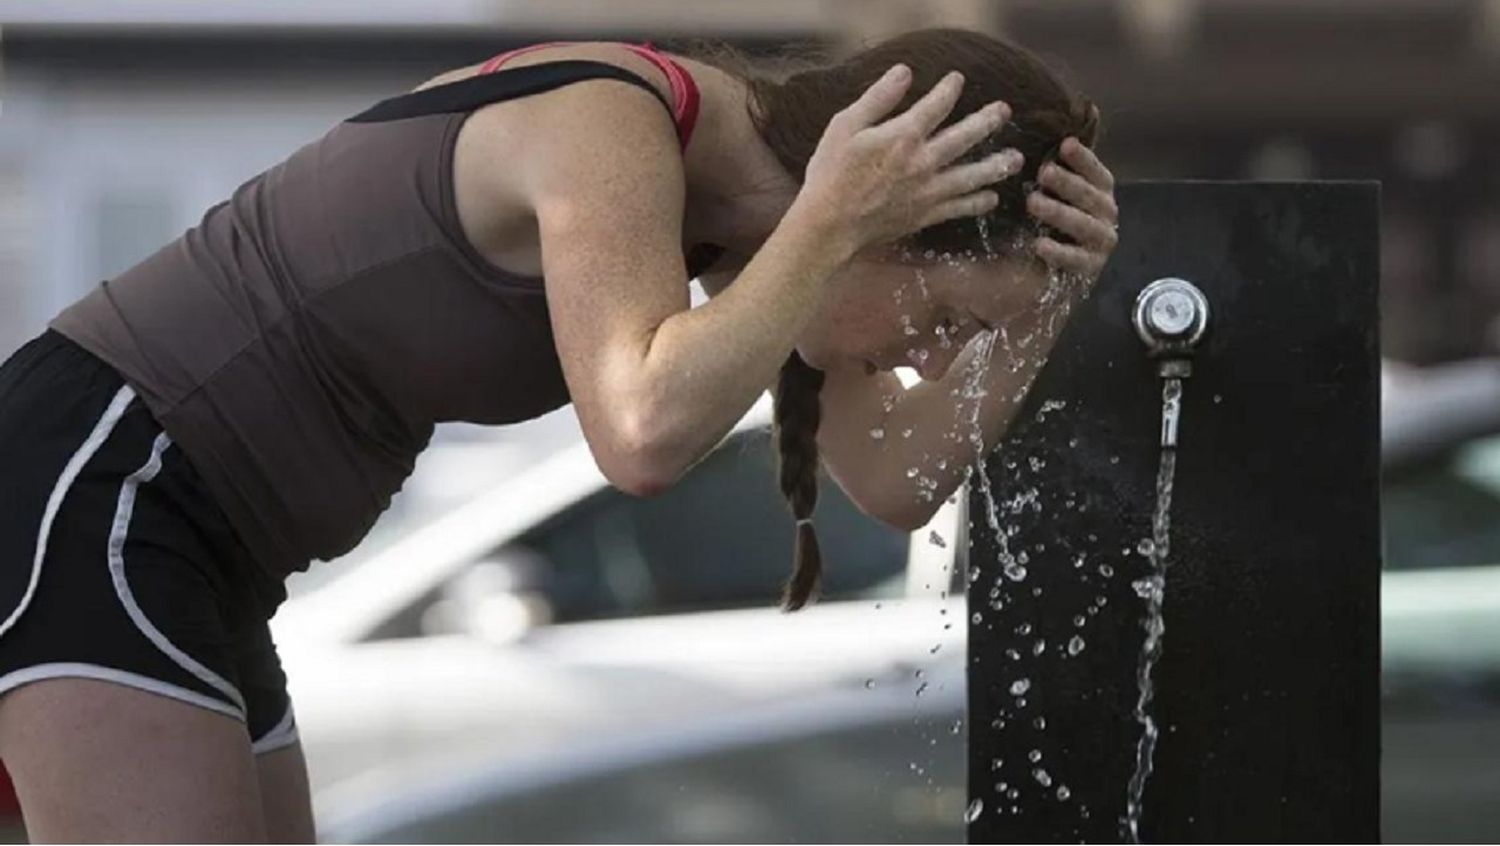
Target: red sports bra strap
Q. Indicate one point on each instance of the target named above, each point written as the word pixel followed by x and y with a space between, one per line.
pixel 685 95
pixel 495 62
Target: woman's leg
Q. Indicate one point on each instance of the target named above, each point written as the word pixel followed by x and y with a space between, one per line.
pixel 284 796
pixel 96 761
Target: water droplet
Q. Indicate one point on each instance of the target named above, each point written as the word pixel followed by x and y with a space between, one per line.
pixel 975 809
pixel 1218 399
pixel 1075 645
pixel 934 649
pixel 937 540
pixel 1041 777
pixel 1034 755
pixel 1078 562
pixel 869 684
pixel 1072 442
pixel 1020 686
pixel 911 472
pixel 1040 723
pixel 1146 547
pixel 906 433
pixel 1039 647
pixel 1023 629
pixel 997 763
pixel 921 688
pixel 1013 793
pixel 1063 793
pixel 918 674
pixel 1114 459
pixel 1015 572
pixel 958 727
pixel 877 434
pixel 1012 655
pixel 1147 587
pixel 1079 620
pixel 977 618
pixel 1106 571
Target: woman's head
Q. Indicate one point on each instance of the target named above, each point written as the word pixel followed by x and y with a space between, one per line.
pixel 791 114
pixel 966 261
pixel 913 303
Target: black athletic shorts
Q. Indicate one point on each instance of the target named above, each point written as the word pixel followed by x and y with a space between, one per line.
pixel 115 563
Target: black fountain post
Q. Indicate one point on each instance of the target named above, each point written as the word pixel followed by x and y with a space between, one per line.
pixel 1266 694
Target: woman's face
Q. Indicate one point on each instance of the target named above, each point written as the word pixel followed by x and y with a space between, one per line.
pixel 884 310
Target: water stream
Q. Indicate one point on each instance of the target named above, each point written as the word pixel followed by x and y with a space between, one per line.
pixel 1152 589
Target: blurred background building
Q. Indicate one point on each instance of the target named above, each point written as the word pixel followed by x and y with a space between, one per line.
pixel 123 121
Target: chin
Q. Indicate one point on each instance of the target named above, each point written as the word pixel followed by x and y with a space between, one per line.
pixel 813 358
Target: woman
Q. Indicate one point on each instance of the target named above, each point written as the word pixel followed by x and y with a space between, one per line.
pixel 250 397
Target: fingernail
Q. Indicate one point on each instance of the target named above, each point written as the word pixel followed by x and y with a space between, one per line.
pixel 901 71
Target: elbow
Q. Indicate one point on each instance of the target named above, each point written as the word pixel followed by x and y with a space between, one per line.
pixel 640 462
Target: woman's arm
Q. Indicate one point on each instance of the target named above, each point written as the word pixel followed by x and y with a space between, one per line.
pixel 655 384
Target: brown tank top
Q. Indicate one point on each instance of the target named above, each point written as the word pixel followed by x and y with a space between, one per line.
pixel 301 341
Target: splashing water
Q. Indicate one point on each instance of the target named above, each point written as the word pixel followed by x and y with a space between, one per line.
pixel 1154 593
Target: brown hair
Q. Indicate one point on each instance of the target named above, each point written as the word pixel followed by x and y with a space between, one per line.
pixel 792 107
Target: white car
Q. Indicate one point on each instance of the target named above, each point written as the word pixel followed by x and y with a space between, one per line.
pixel 553 608
pixel 498 725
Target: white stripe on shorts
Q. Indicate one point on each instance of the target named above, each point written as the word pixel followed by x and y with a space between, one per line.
pixel 91 445
pixel 117 534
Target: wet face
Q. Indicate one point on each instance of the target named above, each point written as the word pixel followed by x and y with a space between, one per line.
pixel 886 310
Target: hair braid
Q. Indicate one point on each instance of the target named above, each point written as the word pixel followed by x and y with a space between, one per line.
pixel 797 414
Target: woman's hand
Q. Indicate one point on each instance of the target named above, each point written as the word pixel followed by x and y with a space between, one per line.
pixel 874 182
pixel 1086 212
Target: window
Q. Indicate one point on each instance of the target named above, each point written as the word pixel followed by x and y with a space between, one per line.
pixel 721 538
pixel 1446 513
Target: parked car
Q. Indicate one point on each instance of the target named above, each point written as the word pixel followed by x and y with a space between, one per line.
pixel 554 610
pixel 474 668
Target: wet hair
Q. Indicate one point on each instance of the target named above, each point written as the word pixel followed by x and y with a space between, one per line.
pixel 791 105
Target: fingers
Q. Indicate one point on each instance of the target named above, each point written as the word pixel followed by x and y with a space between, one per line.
pixel 879 99
pixel 1067 257
pixel 972 176
pixel 969 205
pixel 1084 228
pixel 953 141
pixel 1081 159
pixel 924 115
pixel 1079 192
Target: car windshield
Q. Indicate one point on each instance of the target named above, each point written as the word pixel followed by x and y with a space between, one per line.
pixel 1445 513
pixel 720 538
